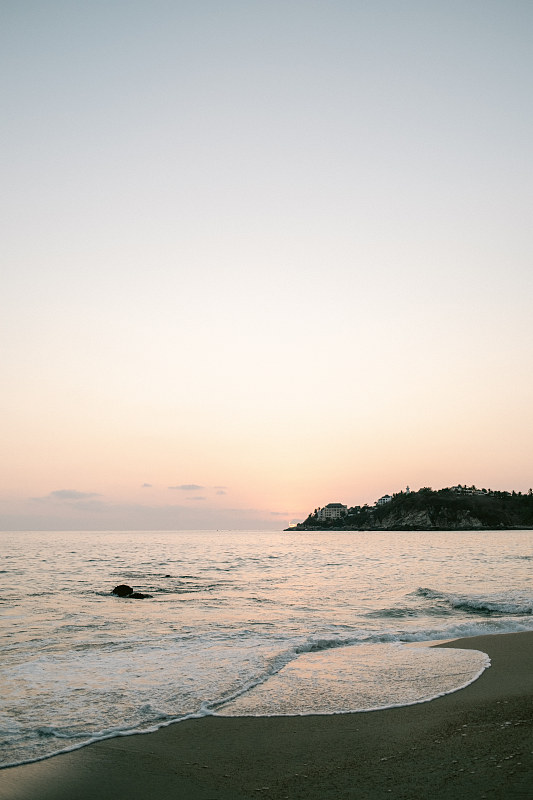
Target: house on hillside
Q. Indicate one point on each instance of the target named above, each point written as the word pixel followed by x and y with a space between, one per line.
pixel 332 511
pixel 383 500
pixel 467 490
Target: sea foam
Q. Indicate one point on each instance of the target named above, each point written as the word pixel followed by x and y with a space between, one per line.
pixel 359 678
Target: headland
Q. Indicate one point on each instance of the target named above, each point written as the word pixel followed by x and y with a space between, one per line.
pixel 459 508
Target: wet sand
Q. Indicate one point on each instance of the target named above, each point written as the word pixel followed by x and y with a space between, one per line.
pixel 474 743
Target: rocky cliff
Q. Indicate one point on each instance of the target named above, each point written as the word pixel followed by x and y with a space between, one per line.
pixel 444 509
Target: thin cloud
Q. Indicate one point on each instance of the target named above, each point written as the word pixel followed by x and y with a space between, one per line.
pixel 280 513
pixel 72 494
pixel 187 487
pixel 220 487
pixel 221 491
pixel 196 497
pixel 146 486
pixel 67 495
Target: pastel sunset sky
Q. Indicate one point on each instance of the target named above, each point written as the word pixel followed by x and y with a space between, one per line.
pixel 262 256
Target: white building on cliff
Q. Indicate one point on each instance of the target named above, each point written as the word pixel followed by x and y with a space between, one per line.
pixel 332 511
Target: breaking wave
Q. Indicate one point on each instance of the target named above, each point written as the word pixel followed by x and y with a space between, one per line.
pixel 476 604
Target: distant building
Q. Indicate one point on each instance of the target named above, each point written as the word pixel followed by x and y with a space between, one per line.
pixel 383 500
pixel 332 511
pixel 467 490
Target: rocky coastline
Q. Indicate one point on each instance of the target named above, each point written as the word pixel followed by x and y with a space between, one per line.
pixel 450 509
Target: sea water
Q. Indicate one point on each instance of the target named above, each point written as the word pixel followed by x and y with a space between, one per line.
pixel 240 623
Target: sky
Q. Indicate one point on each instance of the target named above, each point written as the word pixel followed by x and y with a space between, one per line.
pixel 258 256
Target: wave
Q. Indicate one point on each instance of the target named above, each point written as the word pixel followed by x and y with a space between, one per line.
pixel 479 605
pixel 458 630
pixel 100 737
pixel 272 665
pixel 398 612
pixel 482 663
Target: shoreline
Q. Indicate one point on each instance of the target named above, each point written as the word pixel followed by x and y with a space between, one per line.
pixel 477 741
pixel 410 529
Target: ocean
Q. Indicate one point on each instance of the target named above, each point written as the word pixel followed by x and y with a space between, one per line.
pixel 240 623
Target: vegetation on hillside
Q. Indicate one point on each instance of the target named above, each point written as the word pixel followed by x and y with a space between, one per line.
pixel 458 508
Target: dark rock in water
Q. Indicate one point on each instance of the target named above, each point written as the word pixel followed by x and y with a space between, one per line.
pixel 126 591
pixel 123 590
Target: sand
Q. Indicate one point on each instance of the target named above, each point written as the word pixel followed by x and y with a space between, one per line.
pixel 474 743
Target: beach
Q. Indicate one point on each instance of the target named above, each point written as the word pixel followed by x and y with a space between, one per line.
pixel 476 742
